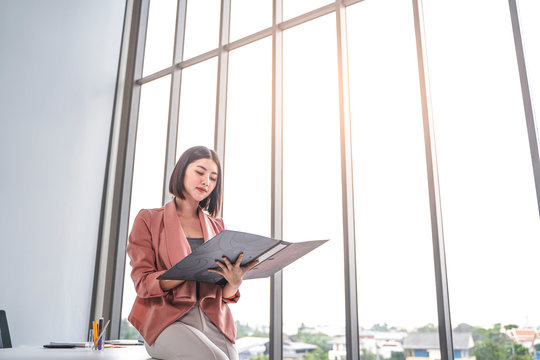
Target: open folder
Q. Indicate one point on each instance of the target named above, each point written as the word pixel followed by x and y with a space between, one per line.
pixel 273 255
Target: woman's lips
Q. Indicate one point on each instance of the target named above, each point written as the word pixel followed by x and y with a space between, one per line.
pixel 201 190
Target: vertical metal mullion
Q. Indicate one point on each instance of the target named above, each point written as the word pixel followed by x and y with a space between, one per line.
pixel 222 75
pixel 527 98
pixel 349 250
pixel 441 281
pixel 111 257
pixel 128 166
pixel 276 282
pixel 174 101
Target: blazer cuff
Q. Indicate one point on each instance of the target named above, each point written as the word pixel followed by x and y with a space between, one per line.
pixel 154 290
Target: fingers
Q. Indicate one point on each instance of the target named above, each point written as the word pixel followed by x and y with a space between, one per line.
pixel 239 260
pixel 219 271
pixel 221 265
pixel 237 263
pixel 226 266
pixel 227 262
pixel 233 273
pixel 250 265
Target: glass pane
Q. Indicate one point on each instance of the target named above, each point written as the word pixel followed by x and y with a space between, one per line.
pixel 202 27
pixel 159 46
pixel 313 288
pixel 197 106
pixel 396 283
pixel 248 17
pixel 248 178
pixel 529 12
pixel 148 169
pixel 488 197
pixel 293 8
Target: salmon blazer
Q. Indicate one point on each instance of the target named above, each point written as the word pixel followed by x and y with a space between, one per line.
pixel 156 243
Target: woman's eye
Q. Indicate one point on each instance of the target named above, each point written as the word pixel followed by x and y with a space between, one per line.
pixel 200 173
pixel 213 179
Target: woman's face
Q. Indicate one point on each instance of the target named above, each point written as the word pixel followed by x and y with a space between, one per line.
pixel 200 179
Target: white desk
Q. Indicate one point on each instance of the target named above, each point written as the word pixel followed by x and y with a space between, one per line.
pixel 132 352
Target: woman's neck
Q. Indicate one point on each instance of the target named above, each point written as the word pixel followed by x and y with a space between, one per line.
pixel 185 208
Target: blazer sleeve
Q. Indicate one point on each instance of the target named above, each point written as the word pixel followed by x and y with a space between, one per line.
pixel 143 258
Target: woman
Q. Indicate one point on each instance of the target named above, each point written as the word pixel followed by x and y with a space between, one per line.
pixel 184 319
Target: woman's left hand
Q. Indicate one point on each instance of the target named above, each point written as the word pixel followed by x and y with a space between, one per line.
pixel 233 273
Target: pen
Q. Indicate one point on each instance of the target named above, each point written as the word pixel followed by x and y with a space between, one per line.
pixel 95 328
pixel 100 329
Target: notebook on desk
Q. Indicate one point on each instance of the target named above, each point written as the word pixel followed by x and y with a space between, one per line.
pixel 123 342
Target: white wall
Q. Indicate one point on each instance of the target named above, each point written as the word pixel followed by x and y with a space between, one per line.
pixel 58 68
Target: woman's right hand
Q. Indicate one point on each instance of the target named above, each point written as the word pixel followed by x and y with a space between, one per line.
pixel 167 285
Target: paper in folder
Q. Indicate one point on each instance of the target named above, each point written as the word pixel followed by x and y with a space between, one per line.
pixel 273 255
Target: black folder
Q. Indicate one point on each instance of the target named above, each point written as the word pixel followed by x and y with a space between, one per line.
pixel 273 255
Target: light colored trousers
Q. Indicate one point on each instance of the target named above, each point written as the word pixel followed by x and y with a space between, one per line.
pixel 192 337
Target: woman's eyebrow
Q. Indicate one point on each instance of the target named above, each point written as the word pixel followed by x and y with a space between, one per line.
pixel 202 167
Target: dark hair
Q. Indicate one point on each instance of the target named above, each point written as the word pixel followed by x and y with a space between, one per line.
pixel 212 203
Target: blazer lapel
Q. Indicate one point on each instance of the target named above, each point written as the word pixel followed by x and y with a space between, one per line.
pixel 207 228
pixel 177 244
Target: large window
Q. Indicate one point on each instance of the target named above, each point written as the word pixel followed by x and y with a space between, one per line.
pixel 396 283
pixel 196 118
pixel 311 181
pixel 148 167
pixel 159 47
pixel 530 31
pixel 202 27
pixel 247 171
pixel 488 196
pixel 264 89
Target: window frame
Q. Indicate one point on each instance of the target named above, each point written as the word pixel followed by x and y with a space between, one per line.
pixel 111 257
